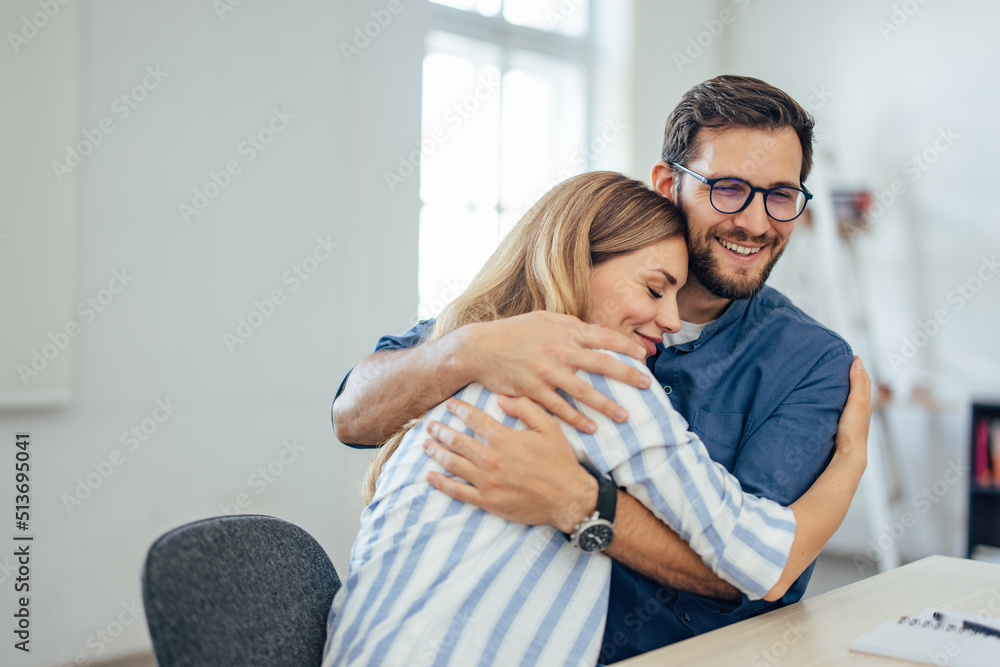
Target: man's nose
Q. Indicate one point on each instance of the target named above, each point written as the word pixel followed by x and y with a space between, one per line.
pixel 754 219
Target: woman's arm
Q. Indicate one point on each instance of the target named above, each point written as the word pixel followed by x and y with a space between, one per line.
pixel 753 543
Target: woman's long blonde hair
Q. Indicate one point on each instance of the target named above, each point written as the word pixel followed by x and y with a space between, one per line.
pixel 544 262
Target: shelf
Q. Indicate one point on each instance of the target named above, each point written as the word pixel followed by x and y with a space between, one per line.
pixel 984 501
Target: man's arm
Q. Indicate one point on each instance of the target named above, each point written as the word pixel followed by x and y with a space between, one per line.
pixel 641 541
pixel 387 389
pixel 647 545
pixel 534 355
pixel 534 477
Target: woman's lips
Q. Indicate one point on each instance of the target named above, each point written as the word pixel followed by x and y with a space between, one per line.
pixel 649 343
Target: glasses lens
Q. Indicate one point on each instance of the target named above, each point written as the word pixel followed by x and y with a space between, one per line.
pixel 785 203
pixel 729 195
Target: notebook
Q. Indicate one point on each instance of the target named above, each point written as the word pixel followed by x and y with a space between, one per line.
pixel 921 638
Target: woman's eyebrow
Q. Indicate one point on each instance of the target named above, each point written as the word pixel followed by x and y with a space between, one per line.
pixel 670 278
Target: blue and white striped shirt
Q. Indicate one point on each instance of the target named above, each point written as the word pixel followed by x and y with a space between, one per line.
pixel 434 581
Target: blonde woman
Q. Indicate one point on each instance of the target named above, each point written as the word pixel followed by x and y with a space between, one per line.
pixel 435 581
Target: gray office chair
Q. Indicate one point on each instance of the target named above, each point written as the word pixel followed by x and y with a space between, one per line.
pixel 238 590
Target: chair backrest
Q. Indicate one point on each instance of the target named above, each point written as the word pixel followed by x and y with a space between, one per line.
pixel 238 590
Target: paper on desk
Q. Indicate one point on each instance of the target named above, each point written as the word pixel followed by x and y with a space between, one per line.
pixel 922 639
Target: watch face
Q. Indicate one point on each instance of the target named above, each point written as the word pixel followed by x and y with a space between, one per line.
pixel 597 537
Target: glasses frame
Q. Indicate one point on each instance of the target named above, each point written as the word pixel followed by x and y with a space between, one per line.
pixel 710 182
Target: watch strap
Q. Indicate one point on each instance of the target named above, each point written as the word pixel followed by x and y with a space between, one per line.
pixel 607 494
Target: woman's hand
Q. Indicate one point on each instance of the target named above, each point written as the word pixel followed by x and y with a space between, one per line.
pixel 852 429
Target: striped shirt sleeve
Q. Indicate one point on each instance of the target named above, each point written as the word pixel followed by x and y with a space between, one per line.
pixel 657 460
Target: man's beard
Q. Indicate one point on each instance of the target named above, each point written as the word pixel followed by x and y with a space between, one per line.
pixel 704 266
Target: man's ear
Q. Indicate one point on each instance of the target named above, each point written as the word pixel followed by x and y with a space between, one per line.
pixel 663 180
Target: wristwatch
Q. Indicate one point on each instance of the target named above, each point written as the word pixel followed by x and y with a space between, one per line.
pixel 594 534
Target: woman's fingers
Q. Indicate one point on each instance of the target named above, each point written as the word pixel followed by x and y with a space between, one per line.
pixel 855 420
pixel 861 385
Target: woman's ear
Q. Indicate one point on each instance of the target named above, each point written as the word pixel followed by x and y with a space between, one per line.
pixel 663 180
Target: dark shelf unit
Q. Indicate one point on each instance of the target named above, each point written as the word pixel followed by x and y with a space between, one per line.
pixel 984 485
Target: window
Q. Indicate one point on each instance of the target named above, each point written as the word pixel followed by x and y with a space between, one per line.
pixel 504 118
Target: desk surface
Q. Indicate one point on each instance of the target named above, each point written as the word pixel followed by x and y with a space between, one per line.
pixel 817 631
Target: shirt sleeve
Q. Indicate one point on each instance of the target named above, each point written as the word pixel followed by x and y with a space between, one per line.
pixel 409 338
pixel 799 433
pixel 404 341
pixel 742 538
pixel 789 451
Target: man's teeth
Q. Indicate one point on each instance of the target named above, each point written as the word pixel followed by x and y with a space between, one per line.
pixel 743 250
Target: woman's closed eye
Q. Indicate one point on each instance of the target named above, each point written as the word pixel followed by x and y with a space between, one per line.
pixel 654 293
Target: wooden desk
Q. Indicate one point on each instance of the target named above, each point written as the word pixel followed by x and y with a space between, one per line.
pixel 817 631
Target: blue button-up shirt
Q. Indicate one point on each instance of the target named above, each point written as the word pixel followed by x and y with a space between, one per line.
pixel 763 386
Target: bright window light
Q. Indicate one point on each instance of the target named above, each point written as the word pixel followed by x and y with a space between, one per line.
pixel 568 17
pixel 500 127
pixel 484 7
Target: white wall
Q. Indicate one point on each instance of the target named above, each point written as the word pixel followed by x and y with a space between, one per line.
pixel 161 338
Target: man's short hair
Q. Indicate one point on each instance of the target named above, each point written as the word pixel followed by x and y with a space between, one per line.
pixel 731 100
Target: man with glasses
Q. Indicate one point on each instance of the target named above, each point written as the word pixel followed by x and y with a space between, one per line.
pixel 761 382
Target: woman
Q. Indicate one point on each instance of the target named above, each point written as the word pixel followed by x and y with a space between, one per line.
pixel 436 581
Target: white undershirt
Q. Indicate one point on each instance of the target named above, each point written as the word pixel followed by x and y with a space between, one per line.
pixel 688 332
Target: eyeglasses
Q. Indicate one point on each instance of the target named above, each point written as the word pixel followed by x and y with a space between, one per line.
pixel 732 195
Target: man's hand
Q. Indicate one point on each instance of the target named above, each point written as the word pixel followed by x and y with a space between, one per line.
pixel 538 353
pixel 531 477
pixel 532 355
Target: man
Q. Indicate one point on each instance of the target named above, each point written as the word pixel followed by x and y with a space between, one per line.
pixel 757 379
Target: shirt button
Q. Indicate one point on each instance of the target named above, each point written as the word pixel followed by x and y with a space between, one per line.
pixel 667 389
pixel 687 617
